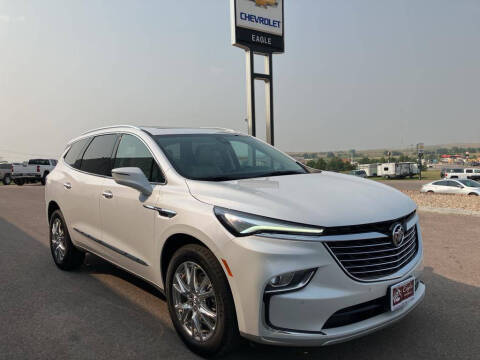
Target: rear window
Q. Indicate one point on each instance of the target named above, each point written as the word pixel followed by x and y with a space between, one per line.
pixel 74 155
pixel 97 159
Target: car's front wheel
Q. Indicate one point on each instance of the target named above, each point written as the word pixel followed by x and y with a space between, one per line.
pixel 200 302
pixel 65 255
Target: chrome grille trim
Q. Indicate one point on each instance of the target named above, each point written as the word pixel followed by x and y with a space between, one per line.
pixel 375 259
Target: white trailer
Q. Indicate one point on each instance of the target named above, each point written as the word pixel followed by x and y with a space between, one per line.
pixel 393 170
pixel 370 169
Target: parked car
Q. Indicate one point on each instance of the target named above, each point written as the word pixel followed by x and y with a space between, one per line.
pixel 359 173
pixel 467 173
pixel 461 186
pixel 6 173
pixel 242 239
pixel 33 171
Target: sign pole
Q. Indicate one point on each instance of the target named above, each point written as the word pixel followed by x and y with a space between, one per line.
pixel 252 130
pixel 258 28
pixel 269 99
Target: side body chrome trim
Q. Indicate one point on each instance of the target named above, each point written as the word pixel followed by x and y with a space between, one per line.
pixel 103 243
pixel 162 212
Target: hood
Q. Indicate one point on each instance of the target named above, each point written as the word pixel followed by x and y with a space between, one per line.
pixel 322 199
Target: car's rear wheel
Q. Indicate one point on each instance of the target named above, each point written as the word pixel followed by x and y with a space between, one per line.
pixel 65 255
pixel 7 179
pixel 200 302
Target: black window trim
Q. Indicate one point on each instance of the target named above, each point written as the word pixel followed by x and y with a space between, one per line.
pixel 114 153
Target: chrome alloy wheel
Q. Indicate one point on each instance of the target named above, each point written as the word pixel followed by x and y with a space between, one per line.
pixel 58 240
pixel 194 301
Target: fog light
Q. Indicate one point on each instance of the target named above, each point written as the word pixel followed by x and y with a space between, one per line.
pixel 282 280
pixel 289 281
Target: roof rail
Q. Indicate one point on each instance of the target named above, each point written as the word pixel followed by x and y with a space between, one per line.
pixel 217 128
pixel 111 127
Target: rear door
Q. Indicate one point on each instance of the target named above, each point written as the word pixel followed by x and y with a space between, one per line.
pixel 86 190
pixel 127 225
pixel 441 187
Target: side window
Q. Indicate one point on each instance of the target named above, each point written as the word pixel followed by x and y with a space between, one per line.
pixel 74 156
pixel 97 159
pixel 132 152
pixel 469 171
pixel 453 184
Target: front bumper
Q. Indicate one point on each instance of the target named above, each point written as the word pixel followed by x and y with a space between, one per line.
pixel 298 317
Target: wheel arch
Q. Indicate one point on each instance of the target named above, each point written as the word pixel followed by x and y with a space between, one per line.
pixel 52 206
pixel 171 245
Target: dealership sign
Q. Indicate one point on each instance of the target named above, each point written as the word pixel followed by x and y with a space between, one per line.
pixel 258 25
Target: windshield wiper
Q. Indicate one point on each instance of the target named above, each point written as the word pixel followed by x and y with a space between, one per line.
pixel 217 178
pixel 282 172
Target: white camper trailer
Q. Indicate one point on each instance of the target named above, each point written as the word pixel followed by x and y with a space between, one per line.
pixel 393 170
pixel 370 169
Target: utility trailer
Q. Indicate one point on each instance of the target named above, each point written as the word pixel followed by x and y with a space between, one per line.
pixel 393 170
pixel 370 169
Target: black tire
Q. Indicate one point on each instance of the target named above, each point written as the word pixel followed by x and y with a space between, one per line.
pixel 43 180
pixel 7 179
pixel 225 337
pixel 474 194
pixel 19 182
pixel 73 258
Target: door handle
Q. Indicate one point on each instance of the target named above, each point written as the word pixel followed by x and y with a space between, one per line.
pixel 107 194
pixel 67 186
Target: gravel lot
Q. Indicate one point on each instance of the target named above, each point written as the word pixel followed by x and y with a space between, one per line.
pixel 101 312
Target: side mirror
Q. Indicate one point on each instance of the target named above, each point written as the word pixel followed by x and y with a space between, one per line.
pixel 133 177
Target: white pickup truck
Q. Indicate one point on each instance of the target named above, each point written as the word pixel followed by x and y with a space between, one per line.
pixel 32 171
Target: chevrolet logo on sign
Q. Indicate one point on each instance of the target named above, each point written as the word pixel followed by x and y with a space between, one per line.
pixel 266 3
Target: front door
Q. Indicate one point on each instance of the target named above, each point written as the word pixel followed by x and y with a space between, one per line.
pixel 127 225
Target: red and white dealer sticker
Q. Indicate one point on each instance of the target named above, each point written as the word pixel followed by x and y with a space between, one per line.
pixel 402 293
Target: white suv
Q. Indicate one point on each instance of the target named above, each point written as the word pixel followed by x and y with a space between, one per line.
pixel 242 239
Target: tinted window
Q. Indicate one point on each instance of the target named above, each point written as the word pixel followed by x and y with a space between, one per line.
pixel 440 183
pixel 98 156
pixel 132 152
pixel 453 184
pixel 74 155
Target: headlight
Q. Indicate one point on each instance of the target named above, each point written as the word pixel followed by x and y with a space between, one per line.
pixel 244 224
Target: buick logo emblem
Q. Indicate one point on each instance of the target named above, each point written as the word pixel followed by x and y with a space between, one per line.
pixel 398 233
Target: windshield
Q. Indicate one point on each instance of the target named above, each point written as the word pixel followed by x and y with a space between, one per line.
pixel 470 183
pixel 222 157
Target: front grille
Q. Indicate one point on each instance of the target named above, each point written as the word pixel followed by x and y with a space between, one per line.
pixel 372 259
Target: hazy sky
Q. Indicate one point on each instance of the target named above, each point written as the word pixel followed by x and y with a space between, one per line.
pixel 355 74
